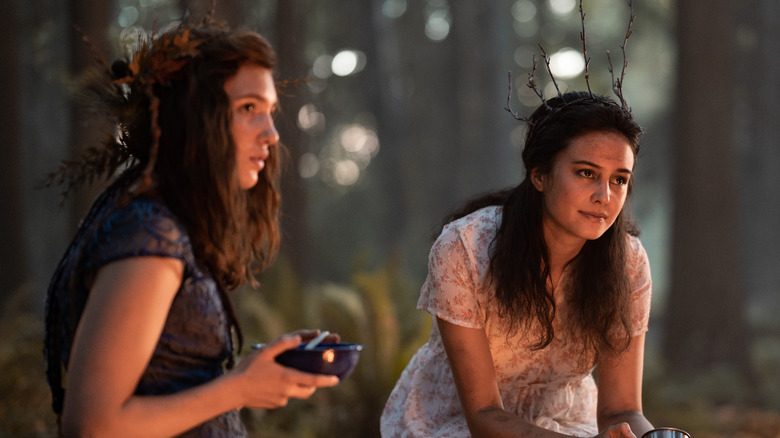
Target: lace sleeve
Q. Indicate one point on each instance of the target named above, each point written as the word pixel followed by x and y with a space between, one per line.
pixel 144 227
pixel 641 286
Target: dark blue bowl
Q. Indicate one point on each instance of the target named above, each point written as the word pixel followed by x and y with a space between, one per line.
pixel 338 359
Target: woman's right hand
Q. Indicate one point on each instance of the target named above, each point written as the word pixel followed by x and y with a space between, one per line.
pixel 620 430
pixel 264 383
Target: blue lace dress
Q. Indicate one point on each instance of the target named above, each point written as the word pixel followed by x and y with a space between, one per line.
pixel 195 341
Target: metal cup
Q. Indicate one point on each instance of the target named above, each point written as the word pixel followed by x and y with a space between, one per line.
pixel 666 432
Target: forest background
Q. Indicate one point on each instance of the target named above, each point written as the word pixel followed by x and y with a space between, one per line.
pixel 402 118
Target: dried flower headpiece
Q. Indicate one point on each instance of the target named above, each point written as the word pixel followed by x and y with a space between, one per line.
pixel 155 60
pixel 126 89
pixel 155 63
pixel 617 84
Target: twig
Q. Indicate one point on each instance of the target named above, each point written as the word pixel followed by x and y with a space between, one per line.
pixel 617 85
pixel 508 106
pixel 585 50
pixel 549 71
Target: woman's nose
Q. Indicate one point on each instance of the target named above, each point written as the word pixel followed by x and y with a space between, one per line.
pixel 269 135
pixel 601 192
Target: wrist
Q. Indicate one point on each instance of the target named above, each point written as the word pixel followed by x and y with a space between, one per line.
pixel 234 388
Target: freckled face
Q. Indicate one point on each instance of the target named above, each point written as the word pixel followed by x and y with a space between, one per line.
pixel 586 188
pixel 253 100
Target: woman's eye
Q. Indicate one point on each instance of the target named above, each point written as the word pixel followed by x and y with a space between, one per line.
pixel 587 173
pixel 248 108
pixel 621 181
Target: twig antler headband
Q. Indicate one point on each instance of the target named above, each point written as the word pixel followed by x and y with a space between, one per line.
pixel 617 84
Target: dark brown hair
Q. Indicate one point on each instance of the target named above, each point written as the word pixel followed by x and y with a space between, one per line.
pixel 195 168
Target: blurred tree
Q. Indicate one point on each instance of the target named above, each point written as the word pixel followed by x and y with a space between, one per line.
pixel 13 260
pixel 290 45
pixel 229 11
pixel 705 318
pixel 484 152
pixel 758 102
pixel 387 102
pixel 43 116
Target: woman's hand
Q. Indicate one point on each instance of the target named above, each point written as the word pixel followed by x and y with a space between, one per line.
pixel 621 430
pixel 266 384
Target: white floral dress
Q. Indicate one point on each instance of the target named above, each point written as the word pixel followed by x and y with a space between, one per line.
pixel 548 387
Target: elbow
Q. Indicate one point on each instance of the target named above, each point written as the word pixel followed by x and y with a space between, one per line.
pixel 479 422
pixel 83 426
pixel 72 428
pixel 77 428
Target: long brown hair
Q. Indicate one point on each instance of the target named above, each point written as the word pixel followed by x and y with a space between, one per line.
pixel 519 261
pixel 196 165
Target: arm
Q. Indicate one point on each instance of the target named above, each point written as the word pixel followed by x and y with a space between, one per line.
pixel 114 342
pixel 475 378
pixel 620 388
pixel 472 368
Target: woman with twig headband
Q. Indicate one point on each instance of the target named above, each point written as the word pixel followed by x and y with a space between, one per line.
pixel 138 321
pixel 534 287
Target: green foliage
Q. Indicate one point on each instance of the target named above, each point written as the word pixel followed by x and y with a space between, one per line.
pixel 377 310
pixel 718 403
pixel 25 404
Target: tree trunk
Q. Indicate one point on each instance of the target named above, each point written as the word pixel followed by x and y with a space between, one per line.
pixel 705 317
pixel 41 118
pixel 13 266
pixel 482 39
pixel 760 109
pixel 290 38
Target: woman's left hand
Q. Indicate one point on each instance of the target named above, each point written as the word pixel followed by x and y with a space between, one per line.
pixel 621 430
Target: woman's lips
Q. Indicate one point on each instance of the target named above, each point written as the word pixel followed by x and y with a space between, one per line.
pixel 259 160
pixel 594 216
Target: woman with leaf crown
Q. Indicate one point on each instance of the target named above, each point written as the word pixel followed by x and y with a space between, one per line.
pixel 536 287
pixel 139 326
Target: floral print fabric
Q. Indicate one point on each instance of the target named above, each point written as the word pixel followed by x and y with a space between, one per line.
pixel 546 387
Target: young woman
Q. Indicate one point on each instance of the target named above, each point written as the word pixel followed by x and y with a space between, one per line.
pixel 138 321
pixel 533 288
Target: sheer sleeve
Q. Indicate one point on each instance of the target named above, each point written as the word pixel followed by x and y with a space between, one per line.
pixel 641 286
pixel 454 289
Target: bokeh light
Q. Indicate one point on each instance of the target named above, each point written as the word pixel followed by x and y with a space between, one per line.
pixel 322 67
pixel 394 8
pixel 562 7
pixel 346 172
pixel 348 62
pixel 567 63
pixel 311 120
pixel 308 165
pixel 523 11
pixel 128 16
pixel 437 27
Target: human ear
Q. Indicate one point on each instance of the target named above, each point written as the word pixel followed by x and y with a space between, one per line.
pixel 537 179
